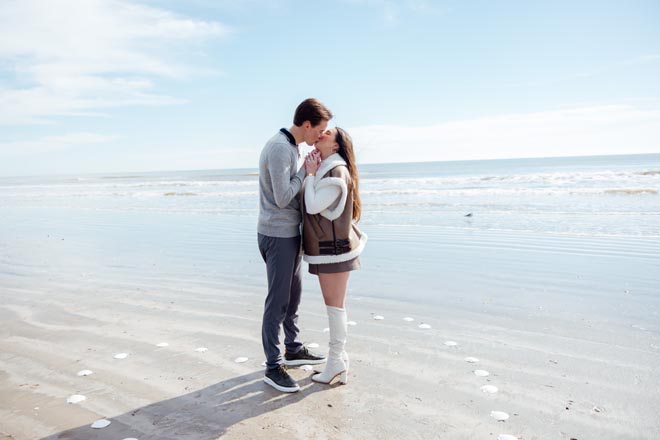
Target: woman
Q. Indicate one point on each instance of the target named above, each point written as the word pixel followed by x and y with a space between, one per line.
pixel 332 242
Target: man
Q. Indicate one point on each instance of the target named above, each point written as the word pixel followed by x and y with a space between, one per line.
pixel 278 235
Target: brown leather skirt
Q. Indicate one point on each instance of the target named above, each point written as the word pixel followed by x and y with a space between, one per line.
pixel 344 266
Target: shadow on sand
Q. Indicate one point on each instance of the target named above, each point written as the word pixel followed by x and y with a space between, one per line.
pixel 205 414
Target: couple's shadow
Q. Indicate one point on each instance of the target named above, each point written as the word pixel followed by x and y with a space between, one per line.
pixel 202 414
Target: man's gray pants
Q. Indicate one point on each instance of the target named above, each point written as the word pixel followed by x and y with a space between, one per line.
pixel 282 257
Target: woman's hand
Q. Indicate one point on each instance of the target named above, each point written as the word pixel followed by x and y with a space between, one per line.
pixel 312 162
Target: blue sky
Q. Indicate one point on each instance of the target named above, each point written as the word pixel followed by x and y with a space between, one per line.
pixel 103 86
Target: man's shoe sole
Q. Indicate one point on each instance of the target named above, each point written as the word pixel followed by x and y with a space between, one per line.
pixel 302 362
pixel 272 383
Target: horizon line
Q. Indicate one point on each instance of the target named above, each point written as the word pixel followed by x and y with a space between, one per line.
pixel 361 163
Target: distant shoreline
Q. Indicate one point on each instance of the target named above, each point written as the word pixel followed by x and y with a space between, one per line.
pixel 254 170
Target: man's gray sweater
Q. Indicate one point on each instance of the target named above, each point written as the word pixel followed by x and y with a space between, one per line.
pixel 280 181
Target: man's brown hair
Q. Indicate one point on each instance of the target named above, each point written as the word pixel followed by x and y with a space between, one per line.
pixel 313 111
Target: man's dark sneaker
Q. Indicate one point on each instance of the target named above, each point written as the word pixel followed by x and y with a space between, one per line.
pixel 280 380
pixel 303 357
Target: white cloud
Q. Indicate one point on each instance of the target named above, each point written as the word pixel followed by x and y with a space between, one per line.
pixel 614 129
pixel 52 143
pixel 74 56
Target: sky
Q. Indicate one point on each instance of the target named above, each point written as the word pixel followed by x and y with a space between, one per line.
pixel 90 86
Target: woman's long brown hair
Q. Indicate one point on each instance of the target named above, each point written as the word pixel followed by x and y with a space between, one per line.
pixel 345 143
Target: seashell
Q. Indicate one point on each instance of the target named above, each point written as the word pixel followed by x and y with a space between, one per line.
pixel 76 398
pixel 506 437
pixel 313 345
pixel 84 372
pixel 102 423
pixel 379 317
pixel 500 416
pixel 481 373
pixel 451 344
pixel 351 323
pixel 121 356
pixel 490 389
pixel 240 360
pixel 162 344
pixel 471 360
pixel 201 349
pixel 408 318
pixel 424 326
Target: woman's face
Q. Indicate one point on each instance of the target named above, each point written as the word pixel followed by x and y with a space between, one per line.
pixel 326 143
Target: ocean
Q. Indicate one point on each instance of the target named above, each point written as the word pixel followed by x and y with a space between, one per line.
pixel 567 234
pixel 586 196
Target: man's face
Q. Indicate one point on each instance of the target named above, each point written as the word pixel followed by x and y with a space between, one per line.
pixel 312 134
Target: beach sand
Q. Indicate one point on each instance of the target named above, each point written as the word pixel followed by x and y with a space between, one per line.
pixel 579 366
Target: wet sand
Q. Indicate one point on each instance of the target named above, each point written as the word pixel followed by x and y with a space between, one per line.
pixel 572 356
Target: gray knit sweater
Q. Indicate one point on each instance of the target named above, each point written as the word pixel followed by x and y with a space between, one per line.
pixel 280 181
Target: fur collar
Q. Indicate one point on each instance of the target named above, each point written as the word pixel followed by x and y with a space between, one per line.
pixel 328 164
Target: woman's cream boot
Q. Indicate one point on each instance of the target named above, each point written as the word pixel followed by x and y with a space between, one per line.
pixel 344 356
pixel 335 365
